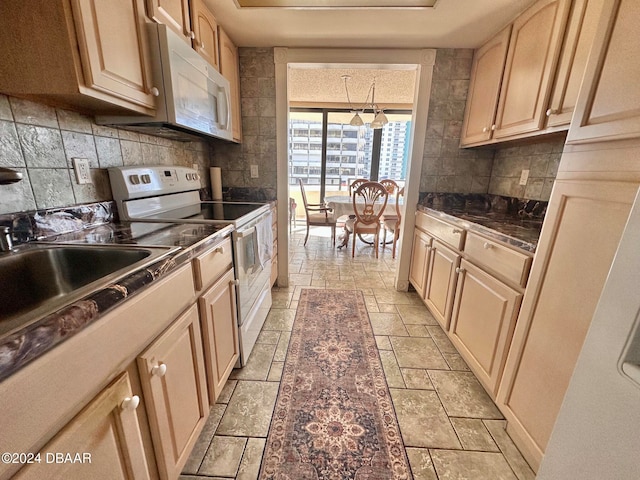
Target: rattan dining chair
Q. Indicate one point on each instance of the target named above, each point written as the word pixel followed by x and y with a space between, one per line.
pixel 318 215
pixel 369 202
pixel 392 223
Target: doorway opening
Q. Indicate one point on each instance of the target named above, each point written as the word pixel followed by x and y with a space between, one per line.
pixel 306 61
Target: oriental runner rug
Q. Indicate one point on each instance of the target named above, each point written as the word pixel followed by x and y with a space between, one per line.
pixel 334 418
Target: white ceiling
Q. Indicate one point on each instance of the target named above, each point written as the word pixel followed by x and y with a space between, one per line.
pixel 450 24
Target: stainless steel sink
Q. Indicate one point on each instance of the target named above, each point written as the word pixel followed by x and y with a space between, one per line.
pixel 36 280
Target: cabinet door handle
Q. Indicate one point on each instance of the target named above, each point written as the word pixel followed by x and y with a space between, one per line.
pixel 154 91
pixel 159 370
pixel 487 246
pixel 493 127
pixel 191 34
pixel 485 129
pixel 457 230
pixel 459 270
pixel 235 282
pixel 551 111
pixel 219 250
pixel 130 403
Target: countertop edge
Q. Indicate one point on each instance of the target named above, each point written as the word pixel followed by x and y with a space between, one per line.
pixel 34 340
pixel 528 247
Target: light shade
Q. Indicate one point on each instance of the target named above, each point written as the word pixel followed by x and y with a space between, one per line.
pixel 380 120
pixel 356 121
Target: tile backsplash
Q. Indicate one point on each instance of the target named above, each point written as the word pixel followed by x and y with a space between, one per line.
pixel 445 166
pixel 541 159
pixel 258 147
pixel 40 141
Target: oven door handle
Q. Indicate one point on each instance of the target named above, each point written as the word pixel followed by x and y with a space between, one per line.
pixel 246 233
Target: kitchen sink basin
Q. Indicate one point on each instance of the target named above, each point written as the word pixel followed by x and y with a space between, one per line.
pixel 36 280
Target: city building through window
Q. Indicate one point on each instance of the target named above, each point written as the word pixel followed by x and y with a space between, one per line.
pixel 328 153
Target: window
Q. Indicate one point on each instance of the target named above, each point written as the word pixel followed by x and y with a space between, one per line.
pixel 351 152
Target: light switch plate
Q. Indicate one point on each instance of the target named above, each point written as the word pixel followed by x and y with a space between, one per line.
pixel 524 177
pixel 254 171
pixel 83 173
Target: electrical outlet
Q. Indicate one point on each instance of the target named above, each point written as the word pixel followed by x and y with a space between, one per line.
pixel 524 177
pixel 83 173
pixel 254 171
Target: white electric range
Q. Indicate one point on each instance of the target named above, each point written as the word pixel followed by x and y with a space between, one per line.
pixel 161 194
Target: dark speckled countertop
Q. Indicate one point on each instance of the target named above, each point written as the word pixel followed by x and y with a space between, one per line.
pixel 516 222
pixel 520 233
pixel 20 347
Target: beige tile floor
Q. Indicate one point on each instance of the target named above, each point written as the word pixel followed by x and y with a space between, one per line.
pixel 450 427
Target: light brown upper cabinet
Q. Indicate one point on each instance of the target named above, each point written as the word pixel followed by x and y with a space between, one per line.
pixel 608 107
pixel 229 67
pixel 174 14
pixel 101 63
pixel 533 53
pixel 486 78
pixel 205 29
pixel 578 40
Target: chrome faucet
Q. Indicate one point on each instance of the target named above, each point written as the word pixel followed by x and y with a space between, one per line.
pixel 6 243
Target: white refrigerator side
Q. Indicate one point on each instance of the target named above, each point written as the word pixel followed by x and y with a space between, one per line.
pixel 596 435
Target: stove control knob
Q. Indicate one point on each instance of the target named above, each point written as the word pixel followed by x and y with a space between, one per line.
pixel 134 179
pixel 196 176
pixel 188 176
pixel 146 178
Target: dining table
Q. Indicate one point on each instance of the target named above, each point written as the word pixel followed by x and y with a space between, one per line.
pixel 342 205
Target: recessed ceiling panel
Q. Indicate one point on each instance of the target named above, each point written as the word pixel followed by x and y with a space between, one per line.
pixel 336 3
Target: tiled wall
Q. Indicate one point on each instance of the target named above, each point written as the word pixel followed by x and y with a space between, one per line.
pixel 496 170
pixel 445 166
pixel 40 141
pixel 258 92
pixel 541 159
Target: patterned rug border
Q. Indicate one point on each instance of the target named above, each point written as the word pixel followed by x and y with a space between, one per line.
pixel 386 422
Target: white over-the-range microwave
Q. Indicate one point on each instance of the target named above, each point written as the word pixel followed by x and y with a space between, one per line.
pixel 192 96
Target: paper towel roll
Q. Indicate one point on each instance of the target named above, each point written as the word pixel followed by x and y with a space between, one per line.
pixel 216 183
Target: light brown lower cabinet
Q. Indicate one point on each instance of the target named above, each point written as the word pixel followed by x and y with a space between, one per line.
pixel 220 332
pixel 102 441
pixel 420 255
pixel 583 226
pixel 441 282
pixel 172 374
pixel 484 317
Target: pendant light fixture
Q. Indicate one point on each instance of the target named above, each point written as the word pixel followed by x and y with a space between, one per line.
pixel 379 118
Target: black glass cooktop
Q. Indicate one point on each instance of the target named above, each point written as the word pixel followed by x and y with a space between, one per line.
pixel 210 212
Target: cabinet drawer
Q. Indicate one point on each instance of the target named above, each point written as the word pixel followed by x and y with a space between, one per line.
pixel 510 264
pixel 450 234
pixel 210 265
